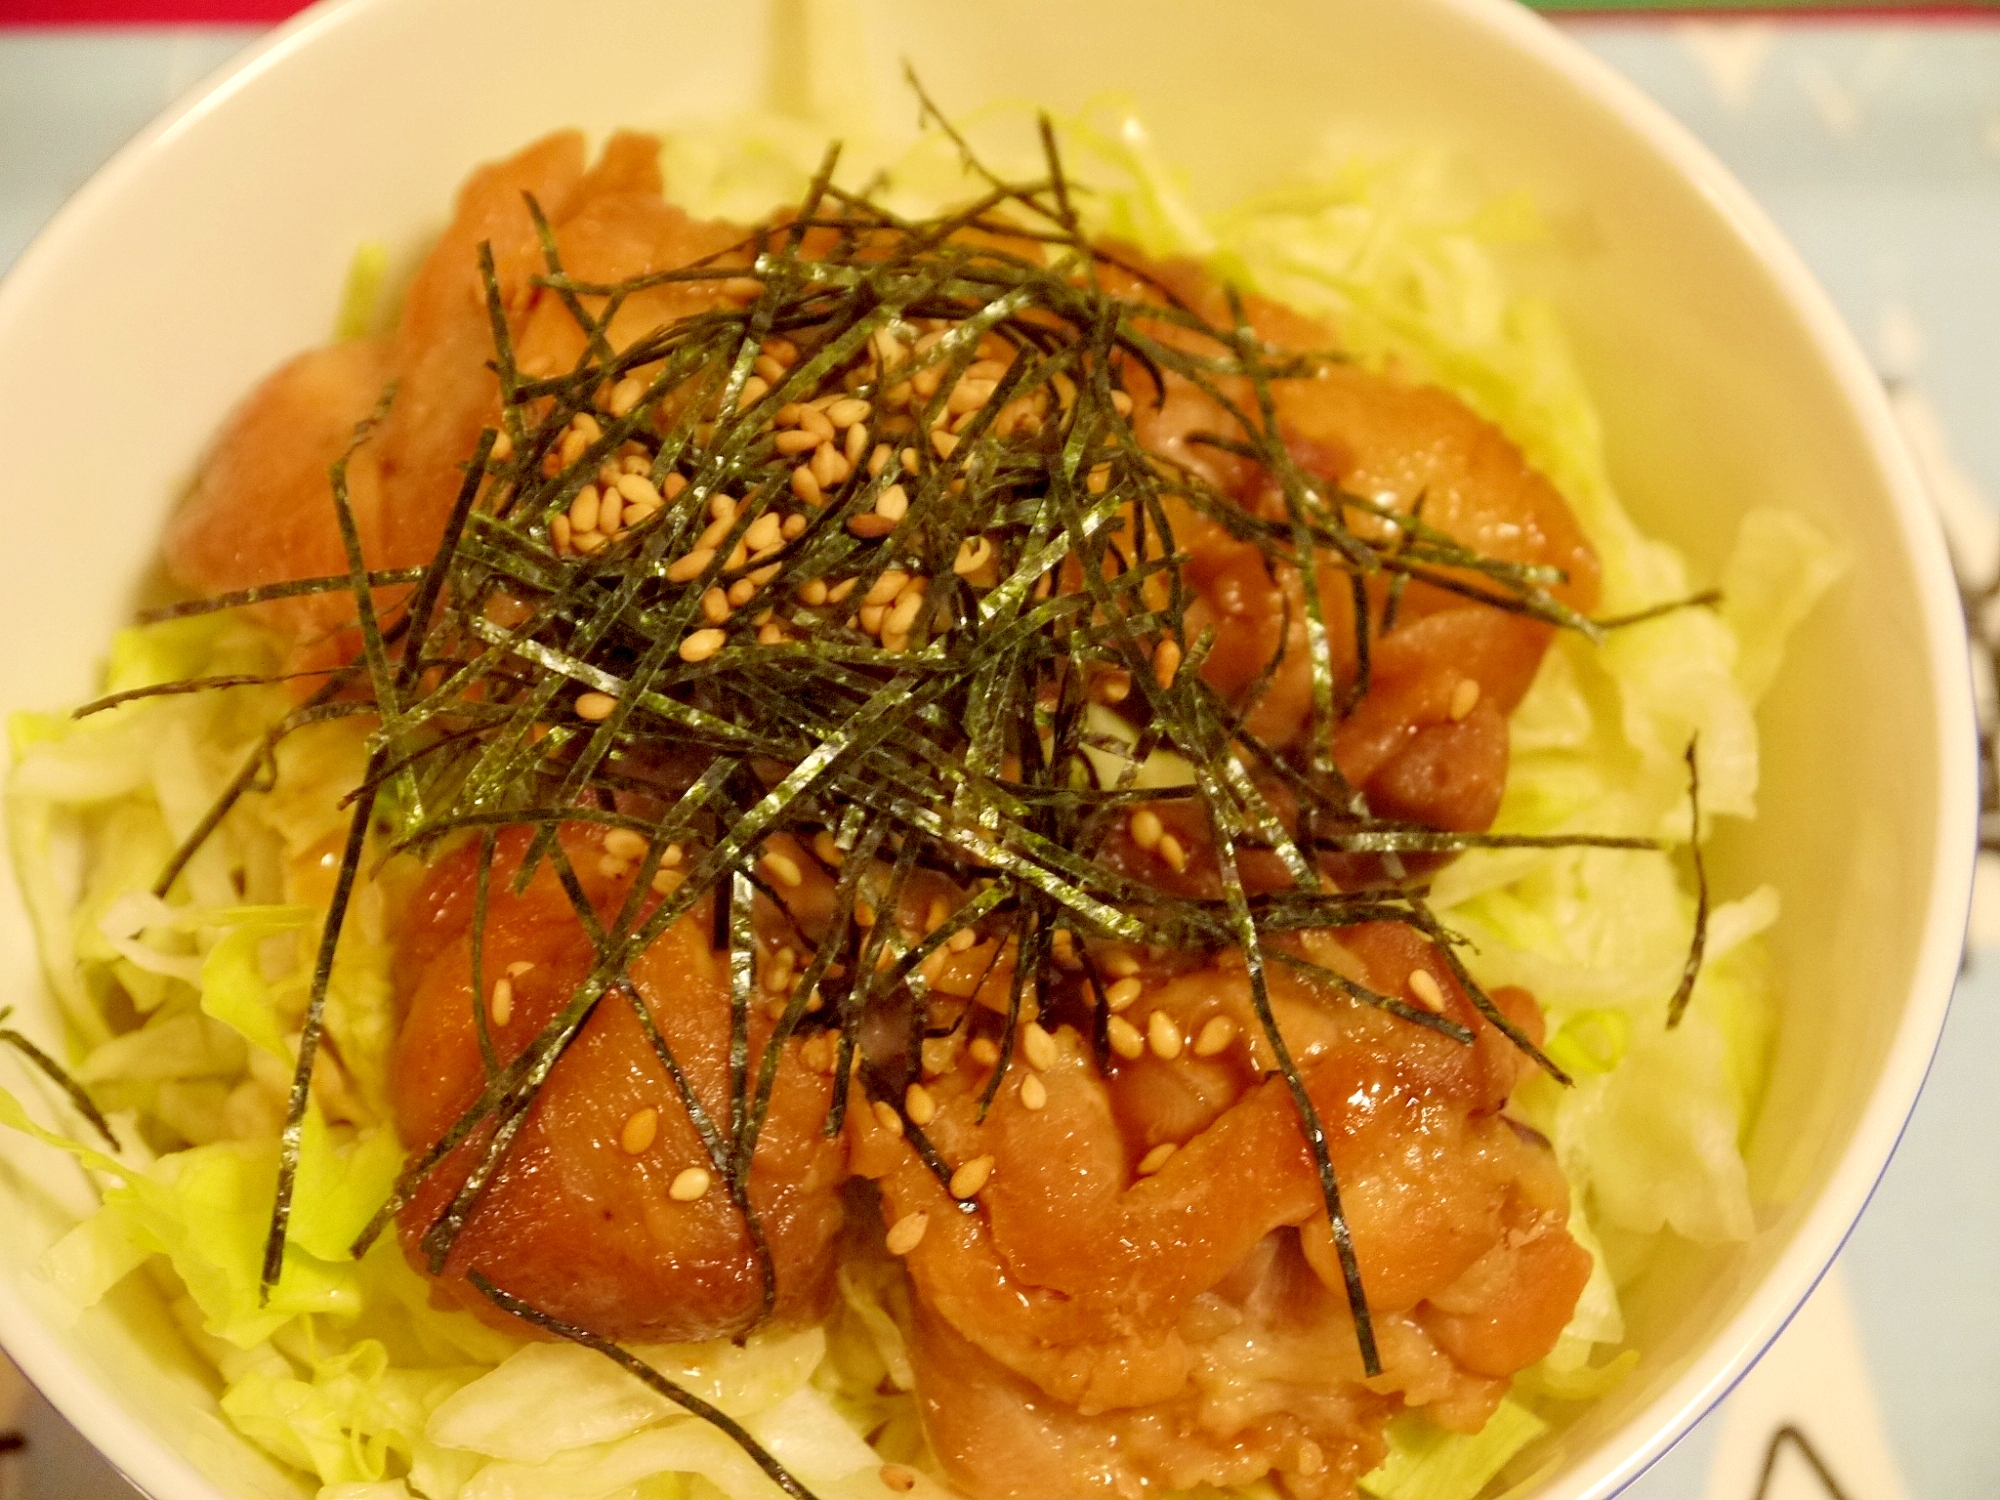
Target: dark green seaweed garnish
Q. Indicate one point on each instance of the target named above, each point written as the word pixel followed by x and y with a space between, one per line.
pixel 1698 943
pixel 60 1076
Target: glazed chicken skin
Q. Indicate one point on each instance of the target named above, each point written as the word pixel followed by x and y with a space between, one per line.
pixel 259 510
pixel 1133 1307
pixel 608 1212
pixel 1137 1288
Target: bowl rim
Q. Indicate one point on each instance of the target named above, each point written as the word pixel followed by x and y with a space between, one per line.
pixel 135 1449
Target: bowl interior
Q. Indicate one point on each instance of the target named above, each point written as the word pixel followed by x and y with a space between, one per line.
pixel 216 246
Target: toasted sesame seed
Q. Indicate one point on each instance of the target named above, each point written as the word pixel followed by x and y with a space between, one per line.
pixel 886 587
pixel 903 616
pixel 1125 1038
pixel 587 542
pixel 893 503
pixel 636 489
pixel 864 914
pixel 666 882
pixel 970 1178
pixel 870 525
pixel 1166 662
pixel 702 644
pixel 640 1131
pixel 1122 993
pixel 519 967
pixel 984 1051
pixel 968 396
pixel 886 1116
pixel 1121 403
pixel 769 368
pixel 625 395
pixel 919 1105
pixel 813 592
pixel 503 448
pixel 794 526
pixel 846 412
pixel 1464 697
pixel 1157 1158
pixel 870 616
pixel 973 554
pixel 796 441
pixel 625 843
pixel 837 593
pixel 559 532
pixel 1172 852
pixel 573 445
pixel 610 512
pixel 1311 1458
pixel 613 868
pixel 766 531
pixel 596 707
pixel 1425 988
pixel 826 851
pixel 806 487
pixel 1216 1035
pixel 501 1007
pixel 906 1234
pixel 1034 1093
pixel 908 460
pixel 1121 965
pixel 754 390
pixel 715 606
pixel 962 939
pixel 743 287
pixel 1038 1047
pixel 690 565
pixel 1163 1036
pixel 854 447
pixel 943 442
pixel 829 467
pixel 1147 829
pixel 688 1185
pixel 671 855
pixel 812 419
pixel 672 485
pixel 784 869
pixel 936 1055
pixel 583 509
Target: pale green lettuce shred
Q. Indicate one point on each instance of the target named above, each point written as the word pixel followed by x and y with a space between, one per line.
pixel 350 1376
pixel 1427 1463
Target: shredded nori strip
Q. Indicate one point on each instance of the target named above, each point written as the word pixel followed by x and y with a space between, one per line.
pixel 60 1077
pixel 1698 943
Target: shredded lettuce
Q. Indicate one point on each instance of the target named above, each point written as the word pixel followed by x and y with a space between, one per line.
pixel 348 1375
pixel 1427 1463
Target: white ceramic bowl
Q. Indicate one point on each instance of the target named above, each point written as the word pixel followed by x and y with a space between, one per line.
pixel 214 244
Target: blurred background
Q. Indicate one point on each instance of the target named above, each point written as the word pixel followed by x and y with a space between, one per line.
pixel 1871 133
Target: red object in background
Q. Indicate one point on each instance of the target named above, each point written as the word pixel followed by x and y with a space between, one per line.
pixel 146 12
